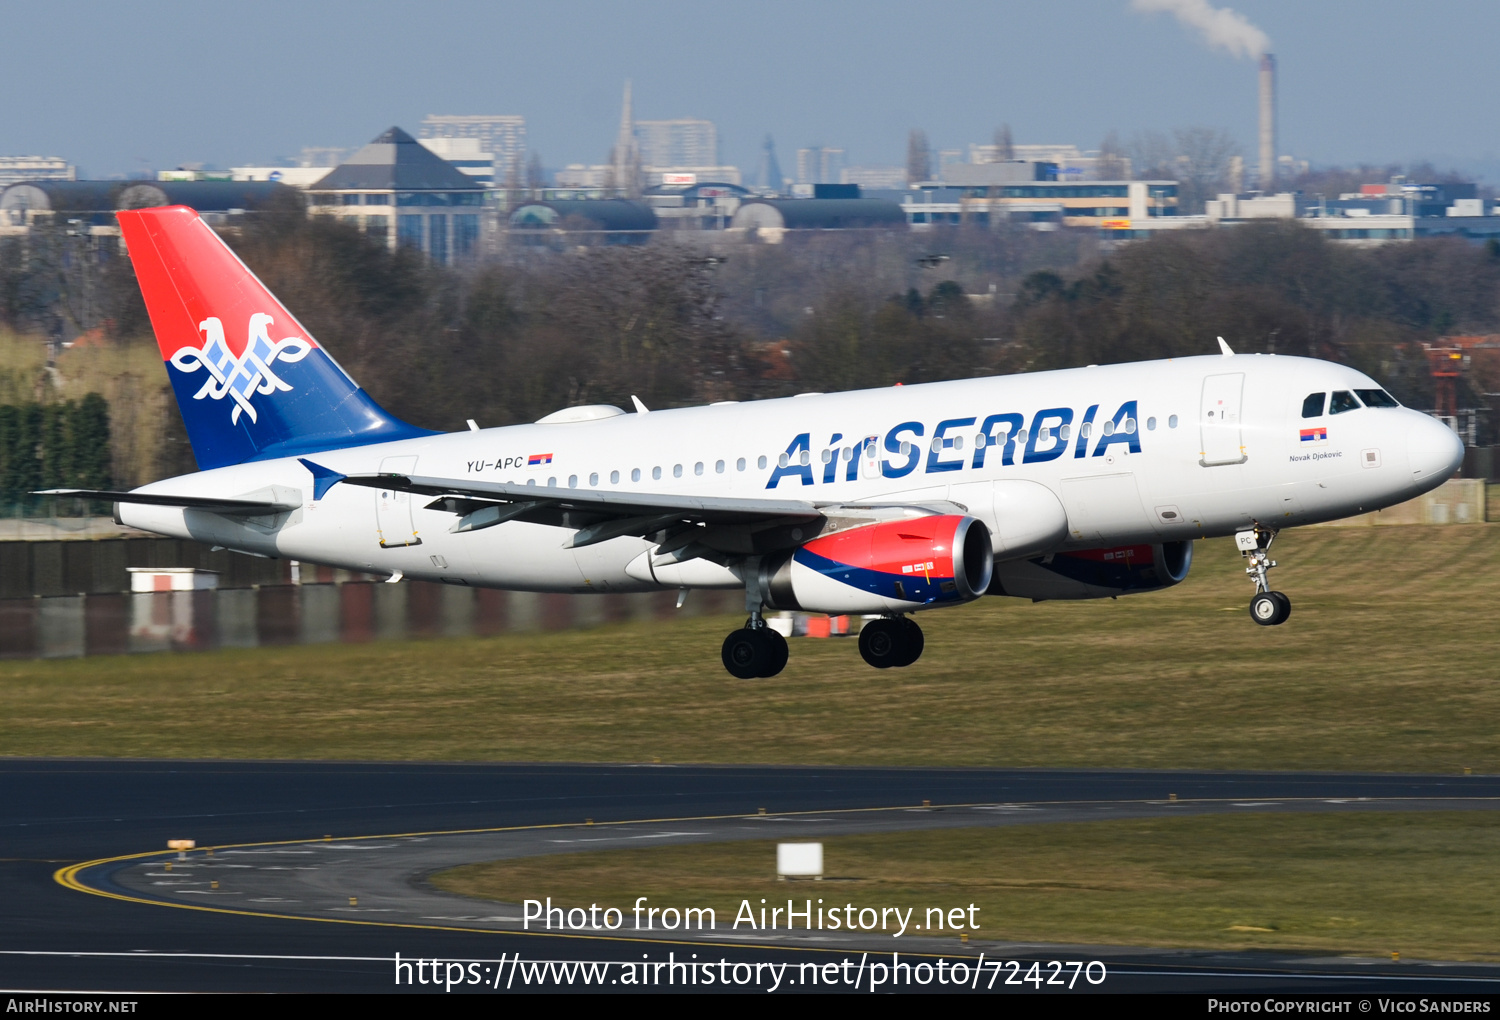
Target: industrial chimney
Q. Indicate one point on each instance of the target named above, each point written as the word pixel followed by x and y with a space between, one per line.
pixel 1268 124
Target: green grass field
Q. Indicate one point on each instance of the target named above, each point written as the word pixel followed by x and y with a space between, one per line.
pixel 1389 662
pixel 1369 884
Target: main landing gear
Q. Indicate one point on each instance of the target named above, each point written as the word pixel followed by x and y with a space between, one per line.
pixel 1268 608
pixel 754 650
pixel 891 641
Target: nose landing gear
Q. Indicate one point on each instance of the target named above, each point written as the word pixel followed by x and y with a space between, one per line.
pixel 1268 608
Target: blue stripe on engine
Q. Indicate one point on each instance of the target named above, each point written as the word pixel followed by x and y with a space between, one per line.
pixel 917 587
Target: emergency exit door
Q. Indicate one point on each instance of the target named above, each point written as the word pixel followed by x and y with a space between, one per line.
pixel 393 509
pixel 1219 420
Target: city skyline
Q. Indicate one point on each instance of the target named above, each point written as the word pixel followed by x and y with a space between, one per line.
pixel 1358 84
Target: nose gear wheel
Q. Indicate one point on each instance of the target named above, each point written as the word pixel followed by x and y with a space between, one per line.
pixel 1268 608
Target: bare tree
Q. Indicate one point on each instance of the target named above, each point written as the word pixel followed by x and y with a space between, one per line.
pixel 535 176
pixel 918 157
pixel 1153 156
pixel 1198 158
pixel 1203 158
pixel 633 184
pixel 1005 149
pixel 611 176
pixel 1112 164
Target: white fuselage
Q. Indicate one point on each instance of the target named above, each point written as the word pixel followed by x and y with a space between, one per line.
pixel 1193 476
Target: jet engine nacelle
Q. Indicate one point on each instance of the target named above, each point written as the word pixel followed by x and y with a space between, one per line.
pixel 887 566
pixel 1094 573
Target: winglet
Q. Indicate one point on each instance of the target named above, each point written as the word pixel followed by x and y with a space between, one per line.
pixel 1225 348
pixel 640 408
pixel 323 478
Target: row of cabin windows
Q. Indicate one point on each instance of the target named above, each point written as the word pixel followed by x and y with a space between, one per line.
pixel 635 473
pixel 872 451
pixel 1345 400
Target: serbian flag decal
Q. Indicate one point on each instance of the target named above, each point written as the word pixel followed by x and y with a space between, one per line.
pixel 1317 435
pixel 538 458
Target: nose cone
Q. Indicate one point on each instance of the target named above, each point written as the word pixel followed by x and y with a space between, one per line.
pixel 1434 451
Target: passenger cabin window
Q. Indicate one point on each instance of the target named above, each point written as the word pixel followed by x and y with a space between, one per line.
pixel 1342 401
pixel 1312 405
pixel 1377 398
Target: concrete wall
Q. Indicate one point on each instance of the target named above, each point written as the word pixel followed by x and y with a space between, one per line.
pixel 65 626
pixel 1456 501
pixel 53 566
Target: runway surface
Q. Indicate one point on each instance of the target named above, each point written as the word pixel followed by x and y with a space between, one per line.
pixel 59 813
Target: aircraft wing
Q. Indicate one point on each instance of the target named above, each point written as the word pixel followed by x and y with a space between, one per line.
pixel 212 504
pixel 730 525
pixel 683 526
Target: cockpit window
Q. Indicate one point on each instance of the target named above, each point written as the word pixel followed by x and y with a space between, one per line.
pixel 1342 401
pixel 1312 407
pixel 1377 398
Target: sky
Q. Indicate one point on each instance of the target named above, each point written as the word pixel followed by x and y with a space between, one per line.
pixel 124 88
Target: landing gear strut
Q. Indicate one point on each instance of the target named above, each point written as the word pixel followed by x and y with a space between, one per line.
pixel 1268 608
pixel 755 650
pixel 891 641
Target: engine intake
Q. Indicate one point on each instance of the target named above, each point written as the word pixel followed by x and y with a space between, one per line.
pixel 886 566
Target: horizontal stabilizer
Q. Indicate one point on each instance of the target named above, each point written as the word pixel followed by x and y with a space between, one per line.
pixel 323 478
pixel 242 507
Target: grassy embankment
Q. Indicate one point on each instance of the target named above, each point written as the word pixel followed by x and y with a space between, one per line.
pixel 1369 884
pixel 1389 662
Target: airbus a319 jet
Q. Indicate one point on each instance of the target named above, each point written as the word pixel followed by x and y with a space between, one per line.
pixel 1077 484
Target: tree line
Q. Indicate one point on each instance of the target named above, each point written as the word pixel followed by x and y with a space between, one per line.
pixel 54 445
pixel 513 338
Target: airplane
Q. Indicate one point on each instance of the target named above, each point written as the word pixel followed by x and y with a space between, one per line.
pixel 1081 483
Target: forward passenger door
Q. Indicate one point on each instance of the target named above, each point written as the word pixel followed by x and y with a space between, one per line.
pixel 1219 420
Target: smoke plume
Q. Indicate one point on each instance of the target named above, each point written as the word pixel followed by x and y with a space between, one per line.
pixel 1222 27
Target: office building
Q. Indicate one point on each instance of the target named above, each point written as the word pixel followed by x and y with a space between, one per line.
pixel 879 178
pixel 402 193
pixel 14 169
pixel 819 165
pixel 466 156
pixel 504 136
pixel 683 142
